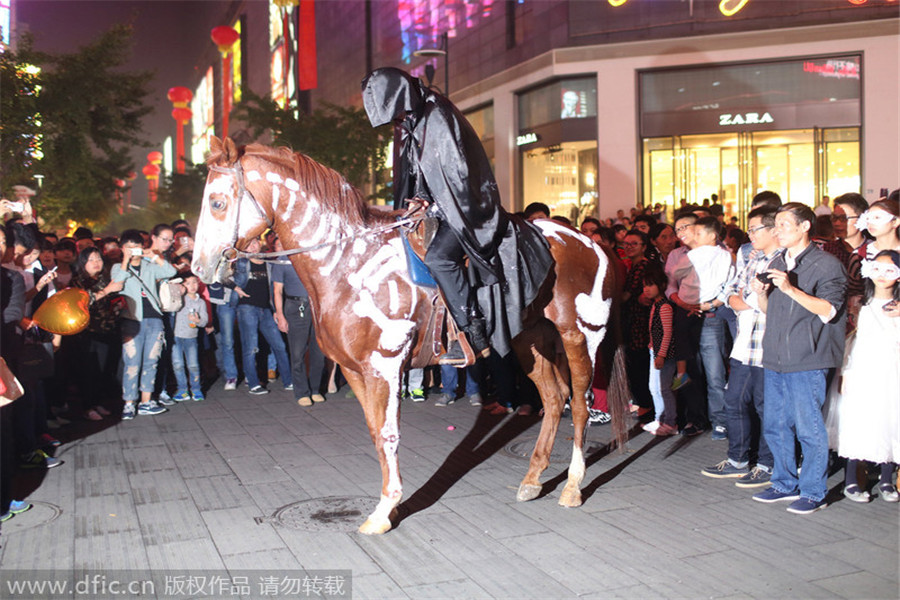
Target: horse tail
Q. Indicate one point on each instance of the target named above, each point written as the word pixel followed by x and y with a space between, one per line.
pixel 618 392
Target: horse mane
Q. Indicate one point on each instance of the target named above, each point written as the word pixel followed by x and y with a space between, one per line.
pixel 326 185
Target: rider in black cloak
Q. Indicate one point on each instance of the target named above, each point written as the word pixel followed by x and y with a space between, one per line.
pixel 439 158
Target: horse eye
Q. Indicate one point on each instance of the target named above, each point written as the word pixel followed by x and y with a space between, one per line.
pixel 217 204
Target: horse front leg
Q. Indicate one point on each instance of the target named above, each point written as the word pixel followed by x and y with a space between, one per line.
pixel 380 401
pixel 581 371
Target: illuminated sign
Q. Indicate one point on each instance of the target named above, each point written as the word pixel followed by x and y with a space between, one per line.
pixel 527 138
pixel 751 118
pixel 840 69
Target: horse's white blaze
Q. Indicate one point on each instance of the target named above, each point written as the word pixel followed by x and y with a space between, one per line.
pixel 253 176
pixel 213 229
pixel 591 309
pixel 275 195
pixel 394 297
pixel 394 332
pixel 292 185
pixel 274 178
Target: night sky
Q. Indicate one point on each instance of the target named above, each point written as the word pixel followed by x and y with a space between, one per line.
pixel 166 42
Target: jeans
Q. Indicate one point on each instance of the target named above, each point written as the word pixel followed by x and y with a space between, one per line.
pixel 252 320
pixel 450 380
pixel 660 384
pixel 713 356
pixel 794 412
pixel 302 339
pixel 745 389
pixel 225 340
pixel 185 352
pixel 142 345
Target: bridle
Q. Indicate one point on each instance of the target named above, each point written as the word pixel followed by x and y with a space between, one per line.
pixel 237 170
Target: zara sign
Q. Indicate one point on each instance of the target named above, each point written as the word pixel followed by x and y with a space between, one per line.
pixel 750 118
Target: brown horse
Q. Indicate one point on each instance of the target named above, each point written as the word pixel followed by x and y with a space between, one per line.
pixel 370 317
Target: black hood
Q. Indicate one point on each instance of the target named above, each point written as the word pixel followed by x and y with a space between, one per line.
pixel 390 94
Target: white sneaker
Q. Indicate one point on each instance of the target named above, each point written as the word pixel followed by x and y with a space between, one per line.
pixel 230 384
pixel 651 427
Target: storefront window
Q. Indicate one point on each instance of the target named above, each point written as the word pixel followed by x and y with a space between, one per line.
pixel 560 100
pixel 563 177
pixel 482 121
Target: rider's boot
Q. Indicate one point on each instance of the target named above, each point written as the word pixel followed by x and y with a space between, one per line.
pixel 478 340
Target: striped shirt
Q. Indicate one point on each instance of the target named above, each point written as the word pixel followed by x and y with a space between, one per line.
pixel 751 324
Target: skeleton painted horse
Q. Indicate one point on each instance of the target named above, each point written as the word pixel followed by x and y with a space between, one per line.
pixel 369 316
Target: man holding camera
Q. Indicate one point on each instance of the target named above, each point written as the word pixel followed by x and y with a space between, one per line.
pixel 805 306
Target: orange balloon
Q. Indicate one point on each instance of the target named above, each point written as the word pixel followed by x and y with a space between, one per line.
pixel 65 312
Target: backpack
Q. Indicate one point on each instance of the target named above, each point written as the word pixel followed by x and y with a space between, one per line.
pixel 171 295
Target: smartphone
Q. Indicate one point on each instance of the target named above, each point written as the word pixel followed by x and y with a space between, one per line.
pixel 889 306
pixel 137 252
pixel 17 206
pixel 764 277
pixel 53 270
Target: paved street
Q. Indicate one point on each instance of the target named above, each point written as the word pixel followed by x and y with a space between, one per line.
pixel 258 483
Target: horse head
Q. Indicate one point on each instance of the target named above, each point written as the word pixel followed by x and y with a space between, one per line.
pixel 223 226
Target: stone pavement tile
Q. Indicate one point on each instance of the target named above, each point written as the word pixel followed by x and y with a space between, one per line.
pixel 171 521
pixel 144 460
pixel 495 519
pixel 268 433
pixel 107 455
pixel 464 588
pixel 636 591
pixel 363 469
pixel 380 587
pixel 804 530
pixel 235 445
pixel 304 426
pixel 257 469
pixel 864 555
pixel 142 435
pixel 221 425
pixel 99 481
pixel 112 551
pixel 409 558
pixel 659 500
pixel 861 585
pixel 290 452
pixel 664 531
pixel 328 550
pixel 157 486
pixel 603 500
pixel 559 558
pixel 186 443
pixel 455 537
pixel 329 444
pixel 271 561
pixel 218 492
pixel 104 436
pixel 514 577
pixel 42 538
pixel 416 437
pixel 877 519
pixel 207 463
pixel 206 410
pixel 185 423
pixel 322 481
pixel 186 554
pixel 96 516
pixel 234 531
pixel 269 497
pixel 251 415
pixel 754 577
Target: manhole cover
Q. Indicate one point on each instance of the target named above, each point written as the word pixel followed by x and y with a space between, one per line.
pixel 562 449
pixel 40 513
pixel 335 513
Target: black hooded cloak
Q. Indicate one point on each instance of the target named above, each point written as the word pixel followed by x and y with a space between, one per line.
pixel 439 157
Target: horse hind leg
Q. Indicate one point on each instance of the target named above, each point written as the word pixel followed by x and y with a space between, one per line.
pixel 581 371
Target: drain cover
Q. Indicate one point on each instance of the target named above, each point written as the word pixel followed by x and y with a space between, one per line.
pixel 39 514
pixel 562 450
pixel 335 513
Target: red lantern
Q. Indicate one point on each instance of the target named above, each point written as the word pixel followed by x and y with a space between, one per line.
pixel 180 96
pixel 151 171
pixel 224 37
pixel 182 115
pixel 154 158
pixel 120 183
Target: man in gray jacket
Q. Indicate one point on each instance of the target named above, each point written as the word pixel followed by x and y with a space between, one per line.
pixel 805 305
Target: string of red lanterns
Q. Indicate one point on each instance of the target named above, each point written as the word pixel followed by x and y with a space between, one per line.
pixel 225 37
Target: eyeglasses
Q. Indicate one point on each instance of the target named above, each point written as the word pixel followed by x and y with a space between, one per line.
pixel 683 227
pixel 632 244
pixel 842 218
pixel 755 230
pixel 169 240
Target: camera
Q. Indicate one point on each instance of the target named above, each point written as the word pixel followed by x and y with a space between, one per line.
pixel 137 252
pixel 764 277
pixel 17 206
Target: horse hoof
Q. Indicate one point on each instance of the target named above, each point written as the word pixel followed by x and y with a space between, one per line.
pixel 375 526
pixel 527 492
pixel 570 499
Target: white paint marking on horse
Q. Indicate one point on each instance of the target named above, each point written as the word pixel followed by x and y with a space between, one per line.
pixel 576 465
pixel 394 332
pixel 356 280
pixel 215 229
pixel 326 269
pixel 252 176
pixel 318 236
pixel 394 294
pixel 359 246
pixel 390 368
pixel 591 309
pixel 274 178
pixel 292 185
pixel 292 199
pixel 248 224
pixel 275 195
pixel 561 233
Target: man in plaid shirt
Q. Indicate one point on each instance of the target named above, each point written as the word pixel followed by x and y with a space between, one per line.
pixel 745 382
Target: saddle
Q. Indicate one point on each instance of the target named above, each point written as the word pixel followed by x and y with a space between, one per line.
pixel 441 330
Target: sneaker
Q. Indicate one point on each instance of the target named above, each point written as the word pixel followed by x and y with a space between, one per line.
pixel 289 387
pixel 665 430
pixel 258 390
pixel 151 408
pixel 305 401
pixel 181 397
pixel 230 385
pixel 417 395
pixel 805 506
pixel 690 430
pixel 39 460
pixel 474 399
pixel 852 492
pixel 102 410
pixel 651 427
pixel 198 397
pixel 318 398
pixel 680 381
pixel 598 417
pixel 271 374
pixel 444 400
pixel 770 495
pixel 164 395
pixel 128 411
pixel 719 433
pixel 15 507
pixel 724 470
pixel 92 415
pixel 167 400
pixel 757 477
pixel 48 441
pixel 887 492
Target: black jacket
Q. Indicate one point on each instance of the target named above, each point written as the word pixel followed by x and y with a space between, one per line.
pixel 796 339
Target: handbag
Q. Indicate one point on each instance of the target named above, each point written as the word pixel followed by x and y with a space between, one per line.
pixel 171 293
pixel 10 388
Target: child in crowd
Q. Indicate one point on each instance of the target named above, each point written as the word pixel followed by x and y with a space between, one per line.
pixel 863 419
pixel 188 321
pixel 662 351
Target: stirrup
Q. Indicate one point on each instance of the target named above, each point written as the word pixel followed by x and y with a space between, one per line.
pixel 455 356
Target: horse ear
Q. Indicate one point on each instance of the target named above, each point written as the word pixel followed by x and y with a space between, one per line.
pixel 215 145
pixel 230 149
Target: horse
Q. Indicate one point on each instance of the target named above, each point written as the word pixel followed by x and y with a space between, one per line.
pixel 370 317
